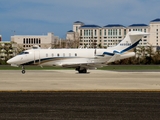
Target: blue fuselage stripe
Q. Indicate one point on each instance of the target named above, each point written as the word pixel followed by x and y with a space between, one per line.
pixel 127 49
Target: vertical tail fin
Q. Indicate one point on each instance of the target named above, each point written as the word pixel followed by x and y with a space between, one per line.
pixel 129 42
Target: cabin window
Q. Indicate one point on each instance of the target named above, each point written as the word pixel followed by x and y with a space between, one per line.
pixel 63 54
pixel 58 55
pixel 46 55
pixel 69 54
pixel 22 53
pixel 75 54
pixel 52 54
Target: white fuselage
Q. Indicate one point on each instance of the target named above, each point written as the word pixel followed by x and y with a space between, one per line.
pixel 60 57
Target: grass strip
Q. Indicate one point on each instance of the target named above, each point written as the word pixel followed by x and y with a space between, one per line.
pixel 109 67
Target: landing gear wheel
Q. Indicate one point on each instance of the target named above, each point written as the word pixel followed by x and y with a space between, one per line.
pixel 82 71
pixel 23 71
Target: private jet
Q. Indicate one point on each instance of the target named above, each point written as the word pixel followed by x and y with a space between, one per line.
pixel 81 59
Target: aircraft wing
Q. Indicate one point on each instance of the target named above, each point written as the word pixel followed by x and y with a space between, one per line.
pixel 115 57
pixel 84 65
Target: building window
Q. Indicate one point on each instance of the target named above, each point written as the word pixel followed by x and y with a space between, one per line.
pixel 119 31
pixel 24 41
pixel 92 33
pixel 31 40
pixel 76 28
pixel 80 32
pixel 100 32
pixel 105 32
pixel 124 31
pixel 109 33
pixel 95 32
pixel 86 32
pixel 37 41
pixel 116 31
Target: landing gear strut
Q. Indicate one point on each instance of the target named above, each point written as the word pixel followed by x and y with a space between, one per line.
pixel 80 70
pixel 23 70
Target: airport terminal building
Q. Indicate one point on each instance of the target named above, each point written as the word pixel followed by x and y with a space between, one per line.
pixel 94 36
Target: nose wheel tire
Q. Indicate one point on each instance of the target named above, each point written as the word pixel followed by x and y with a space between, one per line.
pixel 23 71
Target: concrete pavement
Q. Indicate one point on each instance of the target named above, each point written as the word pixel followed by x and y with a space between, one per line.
pixel 70 80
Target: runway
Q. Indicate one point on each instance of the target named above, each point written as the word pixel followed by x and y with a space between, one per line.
pixel 70 80
pixel 67 95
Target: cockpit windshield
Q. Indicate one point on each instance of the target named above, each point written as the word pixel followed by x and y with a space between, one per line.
pixel 22 53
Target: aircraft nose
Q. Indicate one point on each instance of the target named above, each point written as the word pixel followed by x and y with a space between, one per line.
pixel 11 61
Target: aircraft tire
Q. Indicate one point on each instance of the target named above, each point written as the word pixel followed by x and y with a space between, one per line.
pixel 83 71
pixel 23 71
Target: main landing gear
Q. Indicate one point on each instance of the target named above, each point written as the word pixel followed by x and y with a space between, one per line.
pixel 23 70
pixel 81 70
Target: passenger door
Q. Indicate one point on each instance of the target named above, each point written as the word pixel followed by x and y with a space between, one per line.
pixel 37 56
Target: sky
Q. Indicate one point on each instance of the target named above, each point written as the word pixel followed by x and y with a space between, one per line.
pixel 38 17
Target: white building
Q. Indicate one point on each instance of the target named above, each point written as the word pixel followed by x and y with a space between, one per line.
pixel 154 30
pixel 112 34
pixel 140 27
pixel 27 41
pixel 70 35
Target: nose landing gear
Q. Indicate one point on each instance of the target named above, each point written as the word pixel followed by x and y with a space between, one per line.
pixel 23 70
